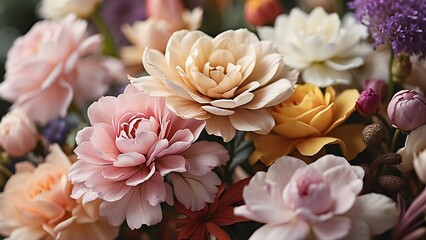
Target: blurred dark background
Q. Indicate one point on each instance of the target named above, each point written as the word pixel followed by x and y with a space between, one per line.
pixel 16 18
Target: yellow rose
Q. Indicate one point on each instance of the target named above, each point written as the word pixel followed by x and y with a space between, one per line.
pixel 308 121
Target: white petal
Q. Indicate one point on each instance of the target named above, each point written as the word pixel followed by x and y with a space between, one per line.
pixel 378 211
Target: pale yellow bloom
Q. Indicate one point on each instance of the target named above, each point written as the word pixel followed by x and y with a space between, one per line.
pixel 228 81
pixel 56 9
pixel 308 121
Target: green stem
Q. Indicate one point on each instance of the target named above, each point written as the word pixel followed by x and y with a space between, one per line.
pixel 5 172
pixel 109 45
pixel 394 139
pixel 391 83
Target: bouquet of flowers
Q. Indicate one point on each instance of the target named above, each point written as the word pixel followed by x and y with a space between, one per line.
pixel 216 119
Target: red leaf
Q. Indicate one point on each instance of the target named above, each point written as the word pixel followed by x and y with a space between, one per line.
pixel 216 231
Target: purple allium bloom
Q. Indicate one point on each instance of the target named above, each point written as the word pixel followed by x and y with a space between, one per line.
pixel 119 12
pixel 401 23
pixel 56 131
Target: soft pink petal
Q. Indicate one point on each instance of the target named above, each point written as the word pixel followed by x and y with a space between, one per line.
pixel 344 186
pixel 194 191
pixel 203 156
pixel 84 135
pixel 170 163
pixel 92 80
pixel 129 159
pixel 378 211
pixel 154 190
pixel 103 141
pixel 334 228
pixel 102 110
pixel 297 230
pixel 262 204
pixel 139 211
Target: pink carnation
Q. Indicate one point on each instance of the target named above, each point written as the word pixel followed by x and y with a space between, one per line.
pixel 51 65
pixel 135 141
pixel 318 201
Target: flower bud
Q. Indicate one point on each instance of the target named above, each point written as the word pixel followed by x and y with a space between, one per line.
pixel 169 10
pixel 17 133
pixel 392 183
pixel 380 87
pixel 262 12
pixel 407 110
pixel 373 134
pixel 401 66
pixel 368 103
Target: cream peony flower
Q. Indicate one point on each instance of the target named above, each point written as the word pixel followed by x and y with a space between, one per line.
pixel 56 9
pixel 319 44
pixel 36 204
pixel 228 81
pixel 414 153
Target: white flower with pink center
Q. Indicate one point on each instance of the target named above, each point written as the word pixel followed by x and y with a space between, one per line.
pixel 316 201
pixel 133 143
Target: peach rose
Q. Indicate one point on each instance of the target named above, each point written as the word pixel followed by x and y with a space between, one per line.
pixel 308 121
pixel 18 135
pixel 228 81
pixel 165 17
pixel 56 9
pixel 36 204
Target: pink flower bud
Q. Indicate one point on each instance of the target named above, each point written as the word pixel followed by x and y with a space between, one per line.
pixel 262 12
pixel 17 133
pixel 380 87
pixel 407 110
pixel 368 103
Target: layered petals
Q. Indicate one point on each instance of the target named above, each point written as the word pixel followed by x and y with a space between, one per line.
pixel 319 44
pixel 133 144
pixel 319 200
pixel 228 81
pixel 308 121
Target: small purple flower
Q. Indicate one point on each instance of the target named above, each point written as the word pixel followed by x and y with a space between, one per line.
pixel 368 103
pixel 407 110
pixel 119 12
pixel 57 130
pixel 401 23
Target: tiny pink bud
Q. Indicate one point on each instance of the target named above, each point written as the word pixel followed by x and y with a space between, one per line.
pixel 368 103
pixel 380 87
pixel 262 12
pixel 407 110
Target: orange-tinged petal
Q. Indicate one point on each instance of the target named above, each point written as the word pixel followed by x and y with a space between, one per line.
pixel 322 120
pixel 311 146
pixel 351 136
pixel 270 147
pixel 295 129
pixel 329 95
pixel 344 106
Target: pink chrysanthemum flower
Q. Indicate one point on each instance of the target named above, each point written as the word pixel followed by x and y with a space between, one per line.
pixel 133 143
